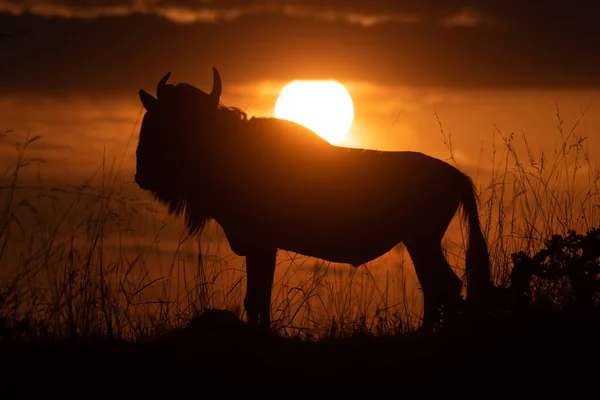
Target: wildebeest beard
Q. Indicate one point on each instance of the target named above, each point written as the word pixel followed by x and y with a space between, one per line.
pixel 187 191
pixel 178 204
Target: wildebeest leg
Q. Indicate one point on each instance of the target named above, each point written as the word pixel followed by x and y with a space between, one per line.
pixel 260 269
pixel 440 285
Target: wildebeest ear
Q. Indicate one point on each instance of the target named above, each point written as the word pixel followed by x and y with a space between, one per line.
pixel 148 100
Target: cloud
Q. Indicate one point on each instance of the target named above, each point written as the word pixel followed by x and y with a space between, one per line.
pixel 463 18
pixel 468 18
pixel 63 9
pixel 365 19
pixel 91 10
pixel 206 11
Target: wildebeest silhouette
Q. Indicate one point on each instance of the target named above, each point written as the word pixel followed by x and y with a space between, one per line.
pixel 273 184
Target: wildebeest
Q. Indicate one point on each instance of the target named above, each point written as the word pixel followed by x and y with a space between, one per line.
pixel 273 184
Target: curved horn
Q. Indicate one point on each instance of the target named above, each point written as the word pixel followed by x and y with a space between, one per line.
pixel 160 89
pixel 216 89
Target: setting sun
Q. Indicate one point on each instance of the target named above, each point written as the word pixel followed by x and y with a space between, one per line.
pixel 322 106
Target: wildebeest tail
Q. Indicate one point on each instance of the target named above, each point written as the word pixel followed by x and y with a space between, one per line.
pixel 477 259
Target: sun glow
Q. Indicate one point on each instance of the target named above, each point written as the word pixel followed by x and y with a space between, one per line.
pixel 322 106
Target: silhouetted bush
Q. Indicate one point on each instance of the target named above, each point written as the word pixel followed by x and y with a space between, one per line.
pixel 563 275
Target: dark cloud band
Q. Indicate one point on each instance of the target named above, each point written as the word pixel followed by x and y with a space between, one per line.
pixel 365 14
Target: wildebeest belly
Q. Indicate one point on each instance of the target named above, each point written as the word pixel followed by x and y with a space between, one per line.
pixel 341 249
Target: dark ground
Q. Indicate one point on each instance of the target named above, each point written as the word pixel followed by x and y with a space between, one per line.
pixel 536 354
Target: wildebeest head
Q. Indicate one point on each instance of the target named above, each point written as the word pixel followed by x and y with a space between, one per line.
pixel 165 136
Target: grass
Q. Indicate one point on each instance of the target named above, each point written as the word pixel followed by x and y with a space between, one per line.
pixel 97 261
pixel 75 261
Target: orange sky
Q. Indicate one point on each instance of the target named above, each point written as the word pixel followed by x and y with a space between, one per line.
pixel 80 129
